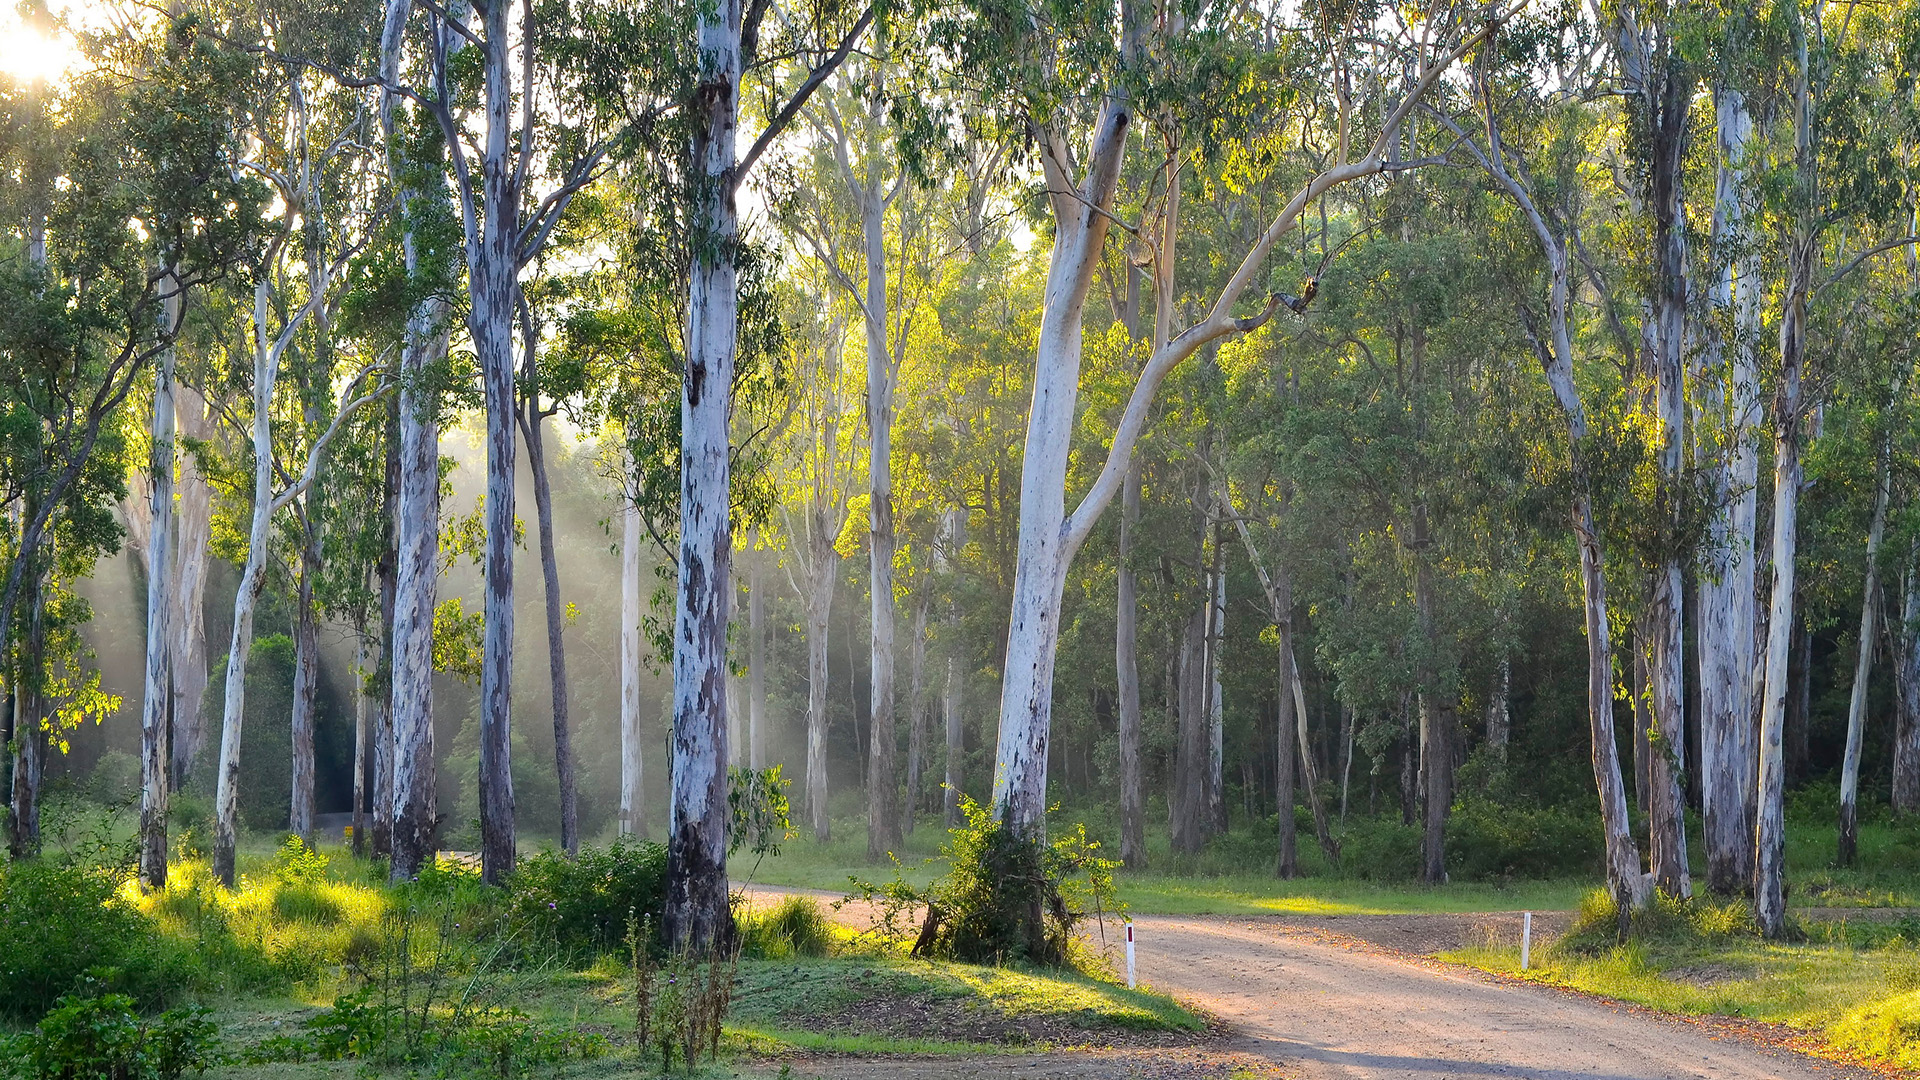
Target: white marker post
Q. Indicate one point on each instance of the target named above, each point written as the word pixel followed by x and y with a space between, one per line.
pixel 1129 954
pixel 1526 939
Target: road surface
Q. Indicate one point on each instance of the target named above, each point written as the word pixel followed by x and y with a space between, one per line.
pixel 1323 1006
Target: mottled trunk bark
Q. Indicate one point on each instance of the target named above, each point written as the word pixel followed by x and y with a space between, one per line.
pixel 697 914
pixel 1730 394
pixel 193 535
pixel 492 273
pixel 226 799
pixel 156 723
pixel 415 819
pixel 381 825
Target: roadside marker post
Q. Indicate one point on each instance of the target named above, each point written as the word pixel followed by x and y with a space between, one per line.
pixel 1526 940
pixel 1130 954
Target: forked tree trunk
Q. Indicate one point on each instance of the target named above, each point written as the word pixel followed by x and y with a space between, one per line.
pixel 633 810
pixel 1730 394
pixel 697 914
pixel 1048 537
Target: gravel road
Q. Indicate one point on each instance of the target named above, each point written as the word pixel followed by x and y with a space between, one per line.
pixel 1324 1005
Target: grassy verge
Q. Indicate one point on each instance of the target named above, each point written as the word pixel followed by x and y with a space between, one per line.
pixel 1857 982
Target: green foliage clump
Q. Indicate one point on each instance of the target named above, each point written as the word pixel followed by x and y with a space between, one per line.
pixel 1487 841
pixel 794 927
pixel 1889 1030
pixel 103 1038
pixel 1667 921
pixel 1005 897
pixel 581 905
pixel 63 922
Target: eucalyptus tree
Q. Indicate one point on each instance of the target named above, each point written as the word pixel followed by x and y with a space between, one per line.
pixel 1727 415
pixel 1658 80
pixel 1060 63
pixel 1554 217
pixel 299 285
pixel 728 42
pixel 134 203
pixel 871 183
pixel 1842 168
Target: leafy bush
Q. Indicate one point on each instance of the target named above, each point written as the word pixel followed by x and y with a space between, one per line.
pixel 581 904
pixel 794 927
pixel 60 921
pixel 102 1038
pixel 1488 841
pixel 1376 848
pixel 297 864
pixel 1004 897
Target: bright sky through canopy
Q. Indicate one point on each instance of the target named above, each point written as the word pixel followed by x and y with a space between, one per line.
pixel 28 54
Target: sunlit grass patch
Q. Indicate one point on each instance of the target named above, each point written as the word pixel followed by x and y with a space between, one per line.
pixel 1023 993
pixel 1857 983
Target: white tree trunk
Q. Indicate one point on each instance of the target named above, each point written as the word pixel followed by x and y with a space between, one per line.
pixel 757 671
pixel 414 816
pixel 193 535
pixel 697 916
pixel 1769 886
pixel 883 819
pixel 226 798
pixel 822 569
pixel 1048 537
pixel 1863 661
pixel 155 721
pixel 633 813
pixel 1730 396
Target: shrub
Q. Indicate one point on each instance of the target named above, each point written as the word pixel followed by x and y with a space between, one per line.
pixel 1005 897
pixel 297 864
pixel 60 921
pixel 794 927
pixel 1489 841
pixel 581 904
pixel 101 1038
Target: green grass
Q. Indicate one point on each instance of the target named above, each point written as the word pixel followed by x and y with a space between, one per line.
pixel 874 1004
pixel 1857 982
